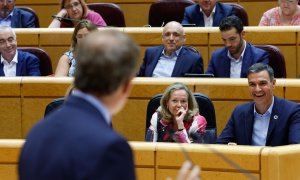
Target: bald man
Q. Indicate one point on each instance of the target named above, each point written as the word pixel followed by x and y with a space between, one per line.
pixel 171 59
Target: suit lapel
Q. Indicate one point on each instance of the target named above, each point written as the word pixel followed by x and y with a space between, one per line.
pixel 20 64
pixel 177 70
pixel 14 19
pixel 154 59
pixel 1 70
pixel 218 16
pixel 275 116
pixel 199 17
pixel 247 60
pixel 249 119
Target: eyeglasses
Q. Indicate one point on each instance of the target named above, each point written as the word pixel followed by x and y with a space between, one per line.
pixel 73 5
pixel 10 40
pixel 287 1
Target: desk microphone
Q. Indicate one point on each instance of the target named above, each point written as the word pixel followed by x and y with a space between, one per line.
pixel 64 19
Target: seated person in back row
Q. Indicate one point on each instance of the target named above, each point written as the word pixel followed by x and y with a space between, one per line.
pixel 268 121
pixel 15 17
pixel 15 62
pixel 171 59
pixel 207 13
pixel 237 56
pixel 177 119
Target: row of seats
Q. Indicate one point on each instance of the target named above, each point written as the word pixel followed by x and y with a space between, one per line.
pixel 277 61
pixel 160 13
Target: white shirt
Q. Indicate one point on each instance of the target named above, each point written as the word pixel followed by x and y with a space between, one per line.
pixel 236 64
pixel 7 20
pixel 166 64
pixel 208 20
pixel 10 69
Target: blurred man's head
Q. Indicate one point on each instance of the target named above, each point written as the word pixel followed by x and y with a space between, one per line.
pixel 6 7
pixel 8 43
pixel 232 32
pixel 105 65
pixel 207 6
pixel 173 37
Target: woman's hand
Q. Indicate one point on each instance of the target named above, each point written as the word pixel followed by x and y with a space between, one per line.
pixel 180 116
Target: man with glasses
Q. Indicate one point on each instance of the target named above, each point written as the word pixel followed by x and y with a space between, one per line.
pixel 15 17
pixel 237 56
pixel 15 62
pixel 171 59
pixel 287 14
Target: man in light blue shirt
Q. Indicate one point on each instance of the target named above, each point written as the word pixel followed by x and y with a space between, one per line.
pixel 172 59
pixel 269 120
pixel 15 17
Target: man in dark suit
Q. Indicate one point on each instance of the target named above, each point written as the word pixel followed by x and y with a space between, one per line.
pixel 237 56
pixel 77 141
pixel 207 13
pixel 15 62
pixel 268 121
pixel 14 17
pixel 172 59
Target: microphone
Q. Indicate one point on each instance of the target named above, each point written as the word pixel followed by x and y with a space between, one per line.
pixel 68 20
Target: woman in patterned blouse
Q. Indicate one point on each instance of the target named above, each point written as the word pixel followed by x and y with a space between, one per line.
pixel 177 119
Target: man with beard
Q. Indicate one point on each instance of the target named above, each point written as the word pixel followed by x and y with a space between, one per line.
pixel 171 59
pixel 14 17
pixel 207 13
pixel 269 120
pixel 237 56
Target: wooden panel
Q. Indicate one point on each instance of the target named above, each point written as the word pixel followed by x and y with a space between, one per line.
pixel 45 13
pixel 9 171
pixel 255 13
pixel 32 111
pixel 27 37
pixel 56 36
pixel 162 174
pixel 10 124
pixel 145 173
pixel 131 121
pixel 45 87
pixel 223 111
pixel 290 55
pixel 292 89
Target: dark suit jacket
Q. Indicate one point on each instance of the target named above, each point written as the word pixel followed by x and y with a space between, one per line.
pixel 28 65
pixel 284 127
pixel 187 62
pixel 192 14
pixel 219 64
pixel 22 19
pixel 75 142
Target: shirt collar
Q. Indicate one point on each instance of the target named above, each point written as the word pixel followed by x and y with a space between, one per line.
pixel 15 59
pixel 269 111
pixel 173 54
pixel 9 16
pixel 95 102
pixel 242 55
pixel 212 13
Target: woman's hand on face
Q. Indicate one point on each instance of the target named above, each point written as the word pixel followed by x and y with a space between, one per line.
pixel 180 116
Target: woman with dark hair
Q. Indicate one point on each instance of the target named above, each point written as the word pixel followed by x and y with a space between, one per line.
pixel 177 119
pixel 75 10
pixel 67 62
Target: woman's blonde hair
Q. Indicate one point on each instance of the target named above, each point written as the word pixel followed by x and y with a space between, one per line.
pixel 192 104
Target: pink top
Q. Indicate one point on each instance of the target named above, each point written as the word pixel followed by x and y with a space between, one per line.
pixel 91 16
pixel 272 18
pixel 96 19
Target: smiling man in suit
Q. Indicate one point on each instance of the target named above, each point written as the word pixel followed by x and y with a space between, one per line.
pixel 207 13
pixel 269 120
pixel 171 59
pixel 15 62
pixel 15 17
pixel 237 56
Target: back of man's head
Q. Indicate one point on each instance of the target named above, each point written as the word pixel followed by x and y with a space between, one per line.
pixel 105 60
pixel 231 22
